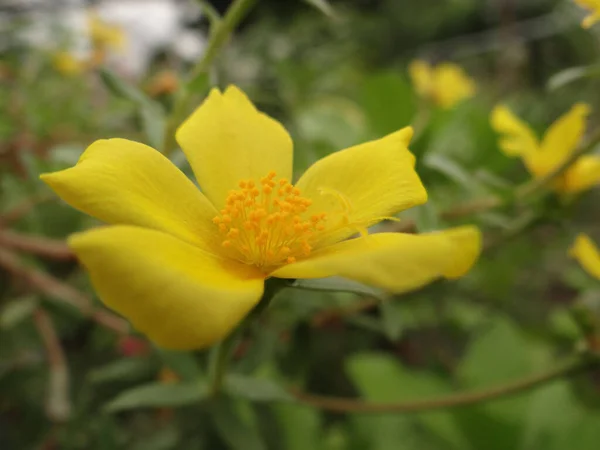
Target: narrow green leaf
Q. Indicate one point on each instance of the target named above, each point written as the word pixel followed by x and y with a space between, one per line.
pixel 238 431
pixel 572 74
pixel 122 89
pixel 255 389
pixel 124 369
pixel 451 169
pixel 339 284
pixel 324 7
pixel 159 395
pixel 151 114
pixel 17 310
pixel 183 364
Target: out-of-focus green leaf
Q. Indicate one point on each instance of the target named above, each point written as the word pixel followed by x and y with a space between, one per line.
pixel 255 389
pixel 568 76
pixel 301 426
pixel 391 319
pixel 159 395
pixel 499 355
pixel 151 114
pixel 124 369
pixel 236 429
pixel 17 310
pixel 323 6
pixel 338 284
pixel 165 438
pixel 388 101
pixel 552 414
pixel 183 364
pixel 121 88
pixel 452 170
pixel 382 378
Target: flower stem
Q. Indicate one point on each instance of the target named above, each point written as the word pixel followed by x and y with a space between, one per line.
pixel 345 405
pixel 221 354
pixel 234 15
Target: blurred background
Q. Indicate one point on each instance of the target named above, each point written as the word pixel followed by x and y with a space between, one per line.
pixel 73 376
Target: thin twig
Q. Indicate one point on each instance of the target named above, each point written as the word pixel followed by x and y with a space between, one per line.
pixel 57 290
pixel 37 245
pixel 346 405
pixel 20 210
pixel 58 403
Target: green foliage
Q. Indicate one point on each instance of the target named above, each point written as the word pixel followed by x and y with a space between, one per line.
pixel 335 76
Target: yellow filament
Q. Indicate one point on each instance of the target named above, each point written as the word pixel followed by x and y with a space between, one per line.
pixel 265 224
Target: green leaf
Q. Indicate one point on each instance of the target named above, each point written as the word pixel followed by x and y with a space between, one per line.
pixel 124 369
pixel 499 355
pixel 159 395
pixel 544 426
pixel 301 426
pixel 122 89
pixel 238 430
pixel 339 284
pixel 323 6
pixel 388 101
pixel 17 310
pixel 151 114
pixel 255 389
pixel 452 170
pixel 382 378
pixel 568 76
pixel 183 364
pixel 391 319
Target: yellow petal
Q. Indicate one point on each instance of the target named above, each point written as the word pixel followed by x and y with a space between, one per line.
pixel 227 140
pixel 594 7
pixel 361 185
pixel 422 77
pixel 451 85
pixel 393 261
pixel 587 254
pixel 563 136
pixel 582 175
pixel 517 138
pixel 176 294
pixel 125 182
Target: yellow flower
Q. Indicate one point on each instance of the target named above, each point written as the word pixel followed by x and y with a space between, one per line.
pixel 104 35
pixel 66 64
pixel 558 144
pixel 594 7
pixel 446 84
pixel 185 266
pixel 587 254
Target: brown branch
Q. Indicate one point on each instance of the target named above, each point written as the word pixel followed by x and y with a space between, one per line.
pixel 37 245
pixel 58 403
pixel 346 405
pixel 20 210
pixel 58 290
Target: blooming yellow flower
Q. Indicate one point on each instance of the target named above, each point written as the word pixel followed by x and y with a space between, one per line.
pixel 105 35
pixel 587 254
pixel 558 144
pixel 67 64
pixel 445 84
pixel 185 266
pixel 594 7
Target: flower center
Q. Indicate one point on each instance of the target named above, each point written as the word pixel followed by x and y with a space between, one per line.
pixel 263 223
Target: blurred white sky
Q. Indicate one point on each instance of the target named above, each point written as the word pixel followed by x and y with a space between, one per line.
pixel 148 25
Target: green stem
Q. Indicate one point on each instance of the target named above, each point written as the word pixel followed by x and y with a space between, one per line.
pixel 234 15
pixel 221 354
pixel 345 405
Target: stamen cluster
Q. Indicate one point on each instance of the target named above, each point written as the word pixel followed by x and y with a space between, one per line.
pixel 264 224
